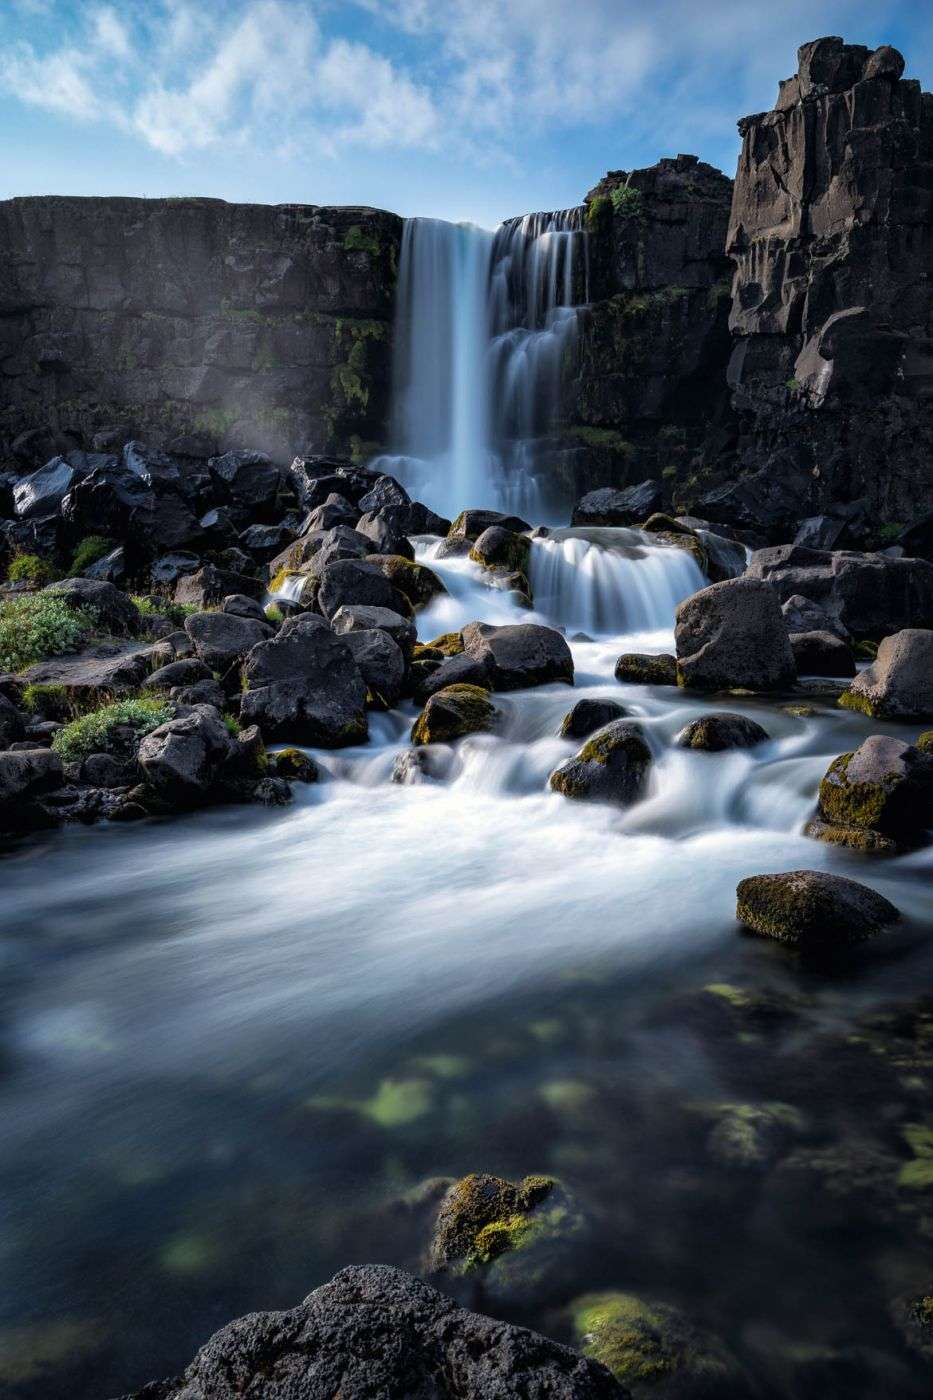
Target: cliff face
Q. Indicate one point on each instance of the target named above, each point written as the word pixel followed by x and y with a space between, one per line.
pixel 831 234
pixel 250 325
pixel 650 377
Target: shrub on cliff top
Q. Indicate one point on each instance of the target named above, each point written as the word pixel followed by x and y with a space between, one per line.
pixel 36 625
pixel 95 732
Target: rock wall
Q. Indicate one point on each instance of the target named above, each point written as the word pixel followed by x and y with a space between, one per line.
pixel 249 325
pixel 831 235
pixel 649 382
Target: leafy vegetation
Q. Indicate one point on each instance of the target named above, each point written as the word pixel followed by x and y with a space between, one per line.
pixel 627 202
pixel 94 732
pixel 164 607
pixel 48 700
pixel 37 625
pixel 29 568
pixel 91 548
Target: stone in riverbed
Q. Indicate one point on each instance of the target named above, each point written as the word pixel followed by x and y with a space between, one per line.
pixel 612 766
pixel 878 797
pixel 416 582
pixel 497 548
pixel 899 682
pixel 470 524
pixel 522 655
pixel 209 586
pixel 869 594
pixel 293 765
pixel 381 663
pixel 355 582
pixel 452 712
pixel 642 668
pixel 731 635
pixel 27 773
pixel 357 617
pixel 374 1331
pixel 483 1220
pixel 430 675
pixel 803 616
pixel 716 732
pixel 821 654
pixel 183 759
pixel 587 716
pixel 303 684
pixel 812 911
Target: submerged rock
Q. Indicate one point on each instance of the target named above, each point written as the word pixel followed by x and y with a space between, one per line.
pixel 612 766
pixel 586 716
pixel 811 910
pixel 732 634
pixel 453 712
pixel 878 797
pixel 716 732
pixel 643 668
pixel 374 1331
pixel 899 682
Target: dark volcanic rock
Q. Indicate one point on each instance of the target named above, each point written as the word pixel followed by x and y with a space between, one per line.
pixel 357 582
pixel 248 480
pixel 522 655
pixel 612 766
pixel 646 668
pixel 589 715
pixel 821 654
pixel 115 612
pixel 715 732
pixel 222 638
pixel 470 524
pixel 210 585
pixel 811 910
pixel 374 1331
pixel 607 506
pixel 866 594
pixel 732 634
pixel 304 685
pixel 43 492
pixel 381 663
pixel 899 682
pixel 359 618
pixel 801 615
pixel 452 712
pixel 885 786
pixel 183 759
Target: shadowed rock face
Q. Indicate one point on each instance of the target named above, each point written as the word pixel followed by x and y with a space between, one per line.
pixel 243 324
pixel 831 234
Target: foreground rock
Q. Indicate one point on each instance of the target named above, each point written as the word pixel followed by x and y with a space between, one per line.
pixel 221 638
pixel 643 668
pixel 587 716
pixel 716 732
pixel 878 798
pixel 733 635
pixel 381 663
pixel 26 774
pixel 114 611
pixel 374 1331
pixel 452 712
pixel 518 656
pixel 607 506
pixel 899 682
pixel 612 766
pixel 811 910
pixel 821 654
pixel 304 685
pixel 183 759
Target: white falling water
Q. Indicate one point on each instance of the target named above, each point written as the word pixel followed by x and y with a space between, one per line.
pixel 483 323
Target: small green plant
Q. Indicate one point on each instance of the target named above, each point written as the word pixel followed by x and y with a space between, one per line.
pixel 598 212
pixel 274 614
pixel 48 700
pixel 38 625
pixel 889 533
pixel 233 725
pixel 357 240
pixel 793 384
pixel 91 548
pixel 29 568
pixel 164 607
pixel 94 732
pixel 627 202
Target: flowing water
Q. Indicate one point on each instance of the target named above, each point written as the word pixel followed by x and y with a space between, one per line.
pixel 232 1044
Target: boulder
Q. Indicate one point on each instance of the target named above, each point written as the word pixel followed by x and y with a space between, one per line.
pixel 187 671
pixel 385 491
pixel 802 615
pixel 111 500
pixel 43 492
pixel 732 634
pixel 870 595
pixel 771 501
pixel 821 654
pixel 94 672
pixel 209 586
pixel 713 733
pixel 218 528
pixel 27 773
pixel 884 789
pixel 452 712
pixel 812 911
pixel 294 765
pixel 899 682
pixel 264 542
pixel 12 726
pixel 381 663
pixel 516 656
pixel 114 611
pixel 303 684
pixel 249 480
pixel 608 506
pixel 612 766
pixel 335 510
pixel 474 1210
pixel 374 1331
pixel 238 605
pixel 916 539
pixel 820 531
pixel 497 548
pixel 417 582
pixel 204 692
pixel 357 581
pixel 169 568
pixel 643 668
pixel 359 618
pixel 110 569
pixel 183 759
pixel 470 524
pixel 313 479
pixel 461 669
pixel 311 553
pixel 386 538
pixel 586 716
pixel 221 639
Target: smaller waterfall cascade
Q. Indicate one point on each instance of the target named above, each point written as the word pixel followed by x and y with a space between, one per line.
pixel 482 325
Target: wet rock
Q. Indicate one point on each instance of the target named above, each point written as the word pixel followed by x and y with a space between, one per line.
pixel 821 654
pixel 607 506
pixel 12 726
pixel 802 615
pixel 357 581
pixel 385 537
pixel 43 492
pixel 452 712
pixel 470 524
pixel 497 548
pixel 335 510
pixel 656 1350
pixel 221 639
pixel 638 668
pixel 482 1217
pixel 912 1315
pixel 209 586
pixel 294 765
pixel 879 796
pixel 381 663
pixel 416 582
pixel 899 682
pixel 114 611
pixel 238 605
pixel 26 773
pixel 264 542
pixel 375 1331
pixel 870 595
pixel 430 676
pixel 303 684
pixel 522 655
pixel 110 569
pixel 183 759
pixel 732 634
pixel 271 792
pixel 747 1136
pixel 359 618
pixel 187 671
pixel 411 767
pixel 612 766
pixel 385 491
pixel 718 731
pixel 586 716
pixel 249 480
pixel 811 910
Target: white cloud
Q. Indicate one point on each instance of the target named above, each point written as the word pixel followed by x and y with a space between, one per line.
pixel 378 106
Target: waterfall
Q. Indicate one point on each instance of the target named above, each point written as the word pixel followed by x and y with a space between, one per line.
pixel 482 323
pixel 610 581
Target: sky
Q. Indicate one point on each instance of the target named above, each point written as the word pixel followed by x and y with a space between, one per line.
pixel 460 109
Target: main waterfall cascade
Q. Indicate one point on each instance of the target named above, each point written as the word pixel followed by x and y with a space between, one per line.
pixel 483 323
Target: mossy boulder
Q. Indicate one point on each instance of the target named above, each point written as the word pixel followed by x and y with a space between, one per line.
pixel 416 582
pixel 470 524
pixel 295 765
pixel 812 911
pixel 639 668
pixel 497 548
pixel 655 1350
pixel 925 742
pixel 718 731
pixel 587 716
pixel 899 682
pixel 612 766
pixel 453 712
pixel 447 644
pixel 885 786
pixel 852 838
pixel 687 541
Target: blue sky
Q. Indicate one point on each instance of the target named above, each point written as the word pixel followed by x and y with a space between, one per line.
pixel 463 109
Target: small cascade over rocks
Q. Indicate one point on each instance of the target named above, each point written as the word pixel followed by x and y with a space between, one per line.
pixel 483 322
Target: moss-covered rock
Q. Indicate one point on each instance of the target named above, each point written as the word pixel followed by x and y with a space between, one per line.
pixel 899 682
pixel 654 1350
pixel 612 766
pixel 925 742
pixel 416 582
pixel 718 731
pixel 294 765
pixel 447 644
pixel 453 712
pixel 884 787
pixel 690 543
pixel 497 548
pixel 747 1136
pixel 811 910
pixel 586 716
pixel 637 668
